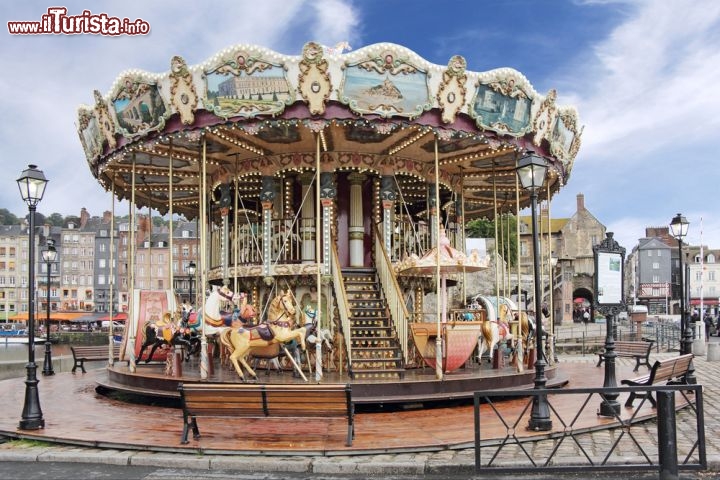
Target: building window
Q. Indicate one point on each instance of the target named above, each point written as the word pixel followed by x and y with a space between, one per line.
pixel 101 263
pixel 656 278
pixel 656 265
pixel 711 258
pixel 698 275
pixel 711 275
pixel 649 253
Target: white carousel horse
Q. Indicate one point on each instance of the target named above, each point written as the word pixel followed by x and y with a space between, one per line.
pixel 494 330
pixel 279 328
pixel 315 336
pixel 216 320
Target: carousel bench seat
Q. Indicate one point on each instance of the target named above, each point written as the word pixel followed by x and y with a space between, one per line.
pixel 670 371
pixel 640 351
pixel 82 354
pixel 257 401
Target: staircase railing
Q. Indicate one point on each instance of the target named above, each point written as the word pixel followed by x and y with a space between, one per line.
pixel 393 294
pixel 342 301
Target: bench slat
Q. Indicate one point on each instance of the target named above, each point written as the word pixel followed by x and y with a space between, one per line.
pixel 663 371
pixel 242 400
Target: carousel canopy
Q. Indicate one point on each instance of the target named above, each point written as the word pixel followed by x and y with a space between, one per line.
pixel 249 112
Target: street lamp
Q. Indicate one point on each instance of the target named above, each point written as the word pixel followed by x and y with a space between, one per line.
pixel 32 183
pixel 679 228
pixel 531 172
pixel 49 255
pixel 191 269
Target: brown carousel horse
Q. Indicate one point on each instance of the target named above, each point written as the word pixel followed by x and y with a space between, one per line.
pixel 279 328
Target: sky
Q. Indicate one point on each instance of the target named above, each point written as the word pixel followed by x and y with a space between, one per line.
pixel 642 75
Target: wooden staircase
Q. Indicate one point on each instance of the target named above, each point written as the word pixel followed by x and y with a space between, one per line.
pixel 376 352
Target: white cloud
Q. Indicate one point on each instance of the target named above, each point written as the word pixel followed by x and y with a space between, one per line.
pixel 651 84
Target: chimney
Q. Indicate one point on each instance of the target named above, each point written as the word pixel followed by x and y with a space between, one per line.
pixel 580 202
pixel 107 216
pixel 84 217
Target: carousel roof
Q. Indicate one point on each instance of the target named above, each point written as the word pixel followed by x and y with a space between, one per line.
pixel 249 112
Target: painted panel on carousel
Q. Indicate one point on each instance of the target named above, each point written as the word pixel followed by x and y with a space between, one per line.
pixel 246 85
pixel 139 108
pixel 565 138
pixel 502 106
pixel 90 135
pixel 387 85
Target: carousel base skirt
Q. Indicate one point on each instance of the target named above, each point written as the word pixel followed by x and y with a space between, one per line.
pixel 419 386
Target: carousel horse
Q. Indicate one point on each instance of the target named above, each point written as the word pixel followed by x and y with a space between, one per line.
pixel 217 320
pixel 164 332
pixel 493 332
pixel 279 328
pixel 273 355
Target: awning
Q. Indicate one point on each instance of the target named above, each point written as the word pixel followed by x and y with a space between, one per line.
pixel 706 301
pixel 119 317
pixel 54 316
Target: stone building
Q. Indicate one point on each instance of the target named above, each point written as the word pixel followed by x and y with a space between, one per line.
pixel 567 259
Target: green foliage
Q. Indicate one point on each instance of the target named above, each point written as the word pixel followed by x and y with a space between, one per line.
pixel 56 220
pixel 7 218
pixel 484 228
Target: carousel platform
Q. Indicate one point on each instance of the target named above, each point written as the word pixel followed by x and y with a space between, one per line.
pixel 419 385
pixel 76 414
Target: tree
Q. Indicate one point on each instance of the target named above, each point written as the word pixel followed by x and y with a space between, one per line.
pixel 39 218
pixel 484 228
pixel 56 220
pixel 7 218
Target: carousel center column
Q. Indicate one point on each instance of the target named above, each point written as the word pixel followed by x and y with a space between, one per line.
pixel 432 214
pixel 328 192
pixel 388 195
pixel 307 224
pixel 267 195
pixel 356 230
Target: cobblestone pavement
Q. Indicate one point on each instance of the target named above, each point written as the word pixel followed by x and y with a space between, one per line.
pixel 438 464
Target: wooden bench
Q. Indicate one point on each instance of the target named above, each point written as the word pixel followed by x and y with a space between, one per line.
pixel 671 371
pixel 82 354
pixel 256 401
pixel 640 351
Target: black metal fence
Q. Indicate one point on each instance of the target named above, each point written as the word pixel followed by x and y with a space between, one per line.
pixel 637 442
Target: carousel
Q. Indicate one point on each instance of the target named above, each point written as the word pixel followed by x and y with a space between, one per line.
pixel 331 191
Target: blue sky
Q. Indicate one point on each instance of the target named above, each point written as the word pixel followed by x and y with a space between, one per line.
pixel 642 75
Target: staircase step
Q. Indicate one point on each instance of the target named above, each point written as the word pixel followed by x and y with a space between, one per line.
pixel 360 323
pixel 379 374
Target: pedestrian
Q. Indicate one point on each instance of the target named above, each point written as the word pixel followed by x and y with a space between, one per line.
pixel 708 325
pixel 586 316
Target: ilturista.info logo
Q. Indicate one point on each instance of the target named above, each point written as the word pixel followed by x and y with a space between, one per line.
pixel 57 22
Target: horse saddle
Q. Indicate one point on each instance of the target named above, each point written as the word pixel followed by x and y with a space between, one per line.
pixel 261 332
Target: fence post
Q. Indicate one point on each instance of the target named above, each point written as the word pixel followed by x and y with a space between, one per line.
pixel 667 435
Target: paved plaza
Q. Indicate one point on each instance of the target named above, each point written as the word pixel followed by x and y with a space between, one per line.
pixel 457 463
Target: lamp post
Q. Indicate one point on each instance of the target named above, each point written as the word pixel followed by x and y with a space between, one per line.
pixel 49 255
pixel 531 172
pixel 679 229
pixel 32 183
pixel 191 269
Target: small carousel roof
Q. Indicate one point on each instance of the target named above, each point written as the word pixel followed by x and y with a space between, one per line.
pixel 249 111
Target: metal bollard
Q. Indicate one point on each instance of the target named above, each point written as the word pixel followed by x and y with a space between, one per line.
pixel 667 435
pixel 713 352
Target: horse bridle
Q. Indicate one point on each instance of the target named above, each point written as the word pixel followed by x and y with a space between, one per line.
pixel 286 312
